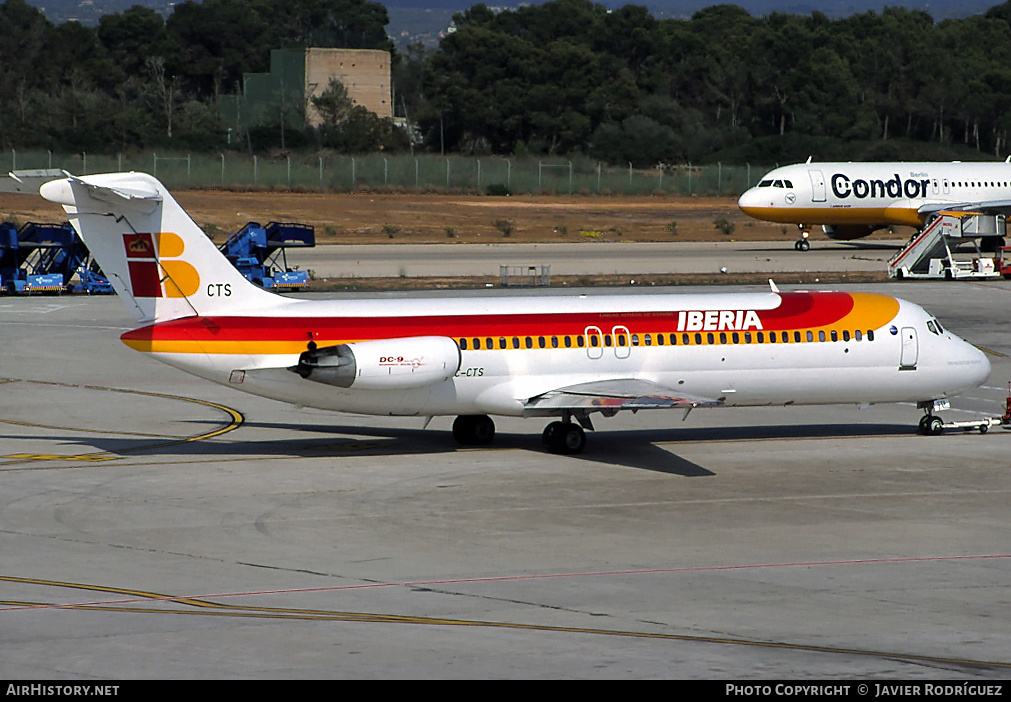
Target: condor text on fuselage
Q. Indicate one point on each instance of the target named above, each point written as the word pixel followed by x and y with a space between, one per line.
pixel 895 187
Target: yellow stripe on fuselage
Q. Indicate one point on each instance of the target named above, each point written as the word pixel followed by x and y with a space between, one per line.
pixel 906 216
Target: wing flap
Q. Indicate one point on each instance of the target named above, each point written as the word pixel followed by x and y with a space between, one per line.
pixel 618 394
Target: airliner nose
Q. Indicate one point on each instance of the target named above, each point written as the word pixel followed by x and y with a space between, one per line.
pixel 983 369
pixel 748 201
pixel 973 366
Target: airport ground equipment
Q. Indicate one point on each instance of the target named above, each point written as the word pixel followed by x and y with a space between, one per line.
pixel 90 279
pixel 950 247
pixel 57 250
pixel 1004 262
pixel 259 254
pixel 931 424
pixel 25 259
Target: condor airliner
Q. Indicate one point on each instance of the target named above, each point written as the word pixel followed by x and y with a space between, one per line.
pixel 851 200
pixel 560 357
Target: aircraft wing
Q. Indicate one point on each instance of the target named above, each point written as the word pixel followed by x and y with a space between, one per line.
pixel 29 182
pixel 981 206
pixel 618 394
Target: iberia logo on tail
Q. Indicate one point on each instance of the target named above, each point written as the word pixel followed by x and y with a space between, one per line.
pixel 156 266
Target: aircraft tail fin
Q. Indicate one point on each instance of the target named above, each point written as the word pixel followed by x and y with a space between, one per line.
pixel 156 257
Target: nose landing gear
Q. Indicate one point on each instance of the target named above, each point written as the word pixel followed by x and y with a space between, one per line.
pixel 803 244
pixel 931 425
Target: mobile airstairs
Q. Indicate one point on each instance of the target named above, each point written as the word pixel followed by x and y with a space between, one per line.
pixel 949 247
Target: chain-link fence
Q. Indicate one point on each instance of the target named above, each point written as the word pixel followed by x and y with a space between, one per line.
pixel 490 174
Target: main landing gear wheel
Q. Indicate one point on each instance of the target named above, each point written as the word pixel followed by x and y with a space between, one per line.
pixel 474 430
pixel 564 437
pixel 931 425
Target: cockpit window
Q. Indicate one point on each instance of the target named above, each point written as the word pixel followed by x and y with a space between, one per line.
pixel 777 184
pixel 764 183
pixel 788 183
pixel 931 326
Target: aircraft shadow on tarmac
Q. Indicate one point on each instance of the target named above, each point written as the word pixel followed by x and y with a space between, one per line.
pixel 829 245
pixel 637 449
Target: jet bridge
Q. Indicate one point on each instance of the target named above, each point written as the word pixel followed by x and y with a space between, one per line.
pixel 949 247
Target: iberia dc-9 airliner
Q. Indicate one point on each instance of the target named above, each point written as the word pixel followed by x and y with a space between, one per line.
pixel 852 199
pixel 560 357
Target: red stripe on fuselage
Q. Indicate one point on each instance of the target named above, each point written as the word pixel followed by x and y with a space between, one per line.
pixel 796 311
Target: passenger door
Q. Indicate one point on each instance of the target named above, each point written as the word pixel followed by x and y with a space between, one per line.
pixel 910 349
pixel 817 186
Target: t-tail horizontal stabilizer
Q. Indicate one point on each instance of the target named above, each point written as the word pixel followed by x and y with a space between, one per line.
pixel 156 257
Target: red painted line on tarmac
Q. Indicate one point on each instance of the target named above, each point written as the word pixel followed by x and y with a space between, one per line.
pixel 197 599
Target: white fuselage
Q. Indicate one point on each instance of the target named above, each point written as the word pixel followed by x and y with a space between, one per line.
pixel 723 357
pixel 871 194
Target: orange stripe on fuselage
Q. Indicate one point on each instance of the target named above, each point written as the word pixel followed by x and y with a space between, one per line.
pixel 290 335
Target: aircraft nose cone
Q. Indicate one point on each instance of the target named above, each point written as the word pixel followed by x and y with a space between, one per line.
pixel 971 365
pixel 748 201
pixel 982 368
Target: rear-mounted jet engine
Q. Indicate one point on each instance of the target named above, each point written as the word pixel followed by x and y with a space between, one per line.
pixel 386 364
